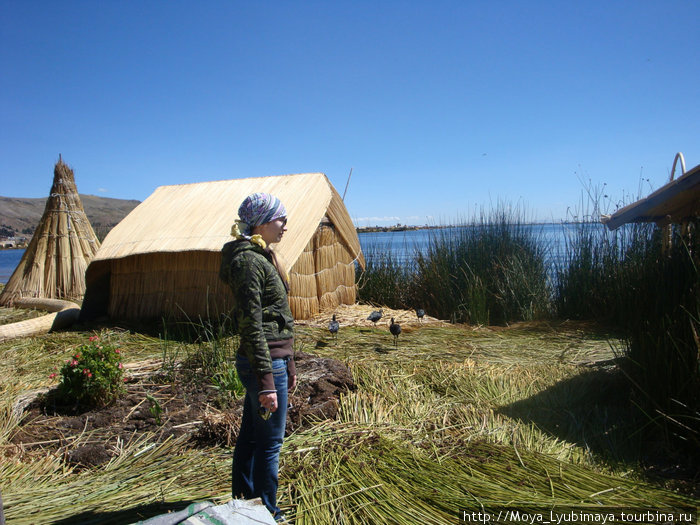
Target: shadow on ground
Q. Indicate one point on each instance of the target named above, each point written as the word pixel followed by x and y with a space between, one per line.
pixel 126 516
pixel 591 409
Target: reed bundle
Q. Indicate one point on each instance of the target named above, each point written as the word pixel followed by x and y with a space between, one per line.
pixel 54 264
pixel 64 314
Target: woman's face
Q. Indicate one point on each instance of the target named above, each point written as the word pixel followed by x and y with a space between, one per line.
pixel 272 231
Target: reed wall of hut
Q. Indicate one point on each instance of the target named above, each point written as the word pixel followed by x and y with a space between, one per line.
pixel 324 275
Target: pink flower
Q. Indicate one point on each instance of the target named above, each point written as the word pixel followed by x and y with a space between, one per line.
pixel 77 356
pixel 117 350
pixel 89 374
pixel 51 376
pixel 74 363
pixel 94 338
pixel 120 366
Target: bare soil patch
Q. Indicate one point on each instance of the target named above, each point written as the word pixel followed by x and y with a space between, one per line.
pixel 153 405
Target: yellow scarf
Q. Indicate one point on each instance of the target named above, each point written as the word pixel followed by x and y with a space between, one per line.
pixel 255 239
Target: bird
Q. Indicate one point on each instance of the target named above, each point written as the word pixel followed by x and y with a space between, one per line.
pixel 420 313
pixel 333 327
pixel 375 316
pixel 395 329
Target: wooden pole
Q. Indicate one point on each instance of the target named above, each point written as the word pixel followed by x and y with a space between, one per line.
pixel 347 184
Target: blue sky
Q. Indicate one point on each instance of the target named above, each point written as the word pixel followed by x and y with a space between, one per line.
pixel 441 108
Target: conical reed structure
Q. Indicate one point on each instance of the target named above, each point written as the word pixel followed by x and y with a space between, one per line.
pixel 54 264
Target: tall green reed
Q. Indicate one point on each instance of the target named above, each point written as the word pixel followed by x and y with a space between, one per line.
pixel 597 268
pixel 661 319
pixel 385 280
pixel 651 295
pixel 488 271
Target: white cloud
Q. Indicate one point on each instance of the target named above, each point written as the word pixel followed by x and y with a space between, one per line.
pixel 102 190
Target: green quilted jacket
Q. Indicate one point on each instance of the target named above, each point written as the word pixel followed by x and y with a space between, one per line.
pixel 261 312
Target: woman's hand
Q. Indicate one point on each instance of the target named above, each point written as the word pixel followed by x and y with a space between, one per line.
pixel 292 382
pixel 269 401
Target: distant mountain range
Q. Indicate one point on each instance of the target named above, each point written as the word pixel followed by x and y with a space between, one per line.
pixel 21 216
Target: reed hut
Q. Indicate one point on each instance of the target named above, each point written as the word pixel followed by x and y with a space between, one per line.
pixel 162 260
pixel 53 265
pixel 677 202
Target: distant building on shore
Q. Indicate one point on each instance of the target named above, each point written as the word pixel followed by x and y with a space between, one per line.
pixel 13 242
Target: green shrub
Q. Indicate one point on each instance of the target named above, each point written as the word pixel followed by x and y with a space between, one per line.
pixel 227 382
pixel 93 375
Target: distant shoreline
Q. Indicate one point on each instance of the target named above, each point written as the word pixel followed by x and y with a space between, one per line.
pixel 403 227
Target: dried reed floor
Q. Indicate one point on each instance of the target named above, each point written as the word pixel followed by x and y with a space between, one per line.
pixel 450 417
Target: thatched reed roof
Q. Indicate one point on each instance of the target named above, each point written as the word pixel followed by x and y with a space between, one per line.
pixel 198 217
pixel 676 202
pixel 53 265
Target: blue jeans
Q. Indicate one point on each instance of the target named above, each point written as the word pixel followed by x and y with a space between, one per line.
pixel 256 456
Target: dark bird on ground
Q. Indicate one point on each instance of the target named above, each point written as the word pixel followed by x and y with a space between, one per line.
pixel 395 329
pixel 420 313
pixel 333 327
pixel 375 316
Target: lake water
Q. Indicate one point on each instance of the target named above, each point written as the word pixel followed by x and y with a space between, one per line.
pixel 403 245
pixel 9 259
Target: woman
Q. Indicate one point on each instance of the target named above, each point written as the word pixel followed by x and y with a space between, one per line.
pixel 264 359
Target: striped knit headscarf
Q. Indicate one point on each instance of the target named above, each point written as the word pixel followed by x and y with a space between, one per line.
pixel 257 209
